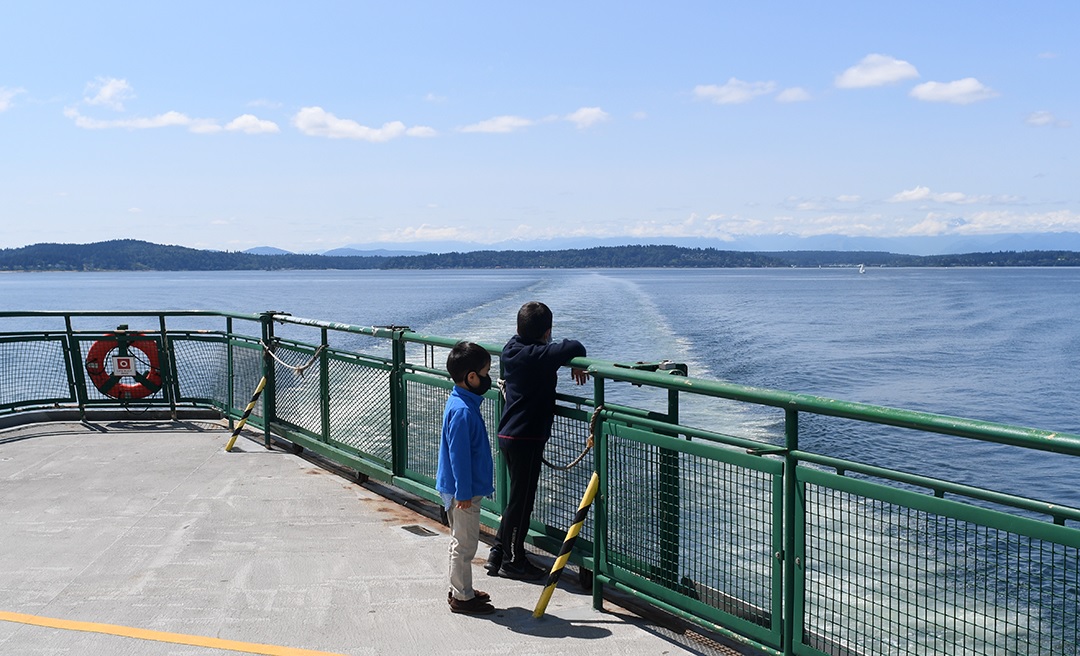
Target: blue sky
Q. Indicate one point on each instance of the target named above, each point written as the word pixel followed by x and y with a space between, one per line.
pixel 315 125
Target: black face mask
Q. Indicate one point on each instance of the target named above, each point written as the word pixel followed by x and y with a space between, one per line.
pixel 484 386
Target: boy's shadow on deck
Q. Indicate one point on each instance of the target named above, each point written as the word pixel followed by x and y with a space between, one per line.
pixel 521 620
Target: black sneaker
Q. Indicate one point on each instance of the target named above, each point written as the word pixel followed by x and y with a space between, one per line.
pixel 474 606
pixel 494 561
pixel 524 571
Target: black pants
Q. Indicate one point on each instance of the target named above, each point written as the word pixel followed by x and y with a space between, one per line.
pixel 523 459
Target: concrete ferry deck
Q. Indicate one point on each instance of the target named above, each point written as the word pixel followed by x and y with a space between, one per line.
pixel 131 537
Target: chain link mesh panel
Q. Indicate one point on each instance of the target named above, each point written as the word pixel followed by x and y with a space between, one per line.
pixel 884 578
pixel 247 365
pixel 726 531
pixel 297 390
pixel 33 370
pixel 699 527
pixel 559 491
pixel 425 411
pixel 360 408
pixel 202 369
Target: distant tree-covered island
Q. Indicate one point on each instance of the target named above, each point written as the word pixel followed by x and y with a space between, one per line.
pixel 135 255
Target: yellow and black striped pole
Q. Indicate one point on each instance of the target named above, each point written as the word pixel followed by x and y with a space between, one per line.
pixel 247 413
pixel 567 545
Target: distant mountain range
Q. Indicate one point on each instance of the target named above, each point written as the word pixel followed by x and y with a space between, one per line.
pixel 133 255
pixel 950 245
pixel 338 252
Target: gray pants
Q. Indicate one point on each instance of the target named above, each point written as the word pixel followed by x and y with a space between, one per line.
pixel 464 538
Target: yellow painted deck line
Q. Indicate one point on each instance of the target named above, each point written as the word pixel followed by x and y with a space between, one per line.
pixel 160 636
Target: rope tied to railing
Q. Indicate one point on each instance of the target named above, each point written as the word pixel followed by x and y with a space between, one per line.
pixel 588 443
pixel 297 370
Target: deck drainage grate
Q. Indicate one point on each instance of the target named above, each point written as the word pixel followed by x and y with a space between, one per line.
pixel 420 530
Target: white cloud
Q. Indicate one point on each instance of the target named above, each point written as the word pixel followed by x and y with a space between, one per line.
pixel 848 198
pixel 959 92
pixel 421 131
pixel 1040 118
pixel 587 117
pixel 168 119
pixel 317 122
pixel 112 92
pixel 425 232
pixel 953 197
pixel 434 98
pixel 734 92
pixel 499 124
pixel 728 227
pixel 918 193
pixel 6 96
pixel 874 71
pixel 251 124
pixel 1045 119
pixel 1003 221
pixel 109 92
pixel 793 94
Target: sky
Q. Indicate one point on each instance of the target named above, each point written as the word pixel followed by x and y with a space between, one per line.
pixel 316 125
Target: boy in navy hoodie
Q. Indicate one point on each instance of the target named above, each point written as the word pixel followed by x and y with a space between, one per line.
pixel 529 364
pixel 465 474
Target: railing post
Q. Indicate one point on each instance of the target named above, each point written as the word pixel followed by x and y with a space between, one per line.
pixel 791 443
pixel 170 381
pixel 75 377
pixel 269 400
pixel 324 387
pixel 230 374
pixel 600 457
pixel 399 409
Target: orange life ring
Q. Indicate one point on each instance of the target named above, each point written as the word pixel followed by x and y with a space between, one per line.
pixel 108 383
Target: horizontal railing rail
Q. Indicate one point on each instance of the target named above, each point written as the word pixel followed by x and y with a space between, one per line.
pixel 747 533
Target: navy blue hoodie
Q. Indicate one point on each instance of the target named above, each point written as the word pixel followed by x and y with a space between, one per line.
pixel 530 372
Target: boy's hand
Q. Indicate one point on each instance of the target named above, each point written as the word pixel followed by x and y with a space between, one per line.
pixel 464 505
pixel 580 376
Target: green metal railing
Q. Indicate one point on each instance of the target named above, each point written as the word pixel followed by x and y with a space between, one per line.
pixel 781 548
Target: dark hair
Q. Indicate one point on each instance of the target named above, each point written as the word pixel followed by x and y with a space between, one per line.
pixel 466 357
pixel 533 320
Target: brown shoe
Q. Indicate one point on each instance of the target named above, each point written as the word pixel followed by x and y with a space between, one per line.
pixel 477 594
pixel 474 606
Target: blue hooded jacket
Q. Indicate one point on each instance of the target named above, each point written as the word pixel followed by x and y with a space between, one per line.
pixel 465 466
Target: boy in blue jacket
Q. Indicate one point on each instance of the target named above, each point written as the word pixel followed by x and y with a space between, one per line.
pixel 529 364
pixel 465 474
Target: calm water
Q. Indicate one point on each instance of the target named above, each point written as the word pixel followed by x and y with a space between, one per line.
pixel 995 344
